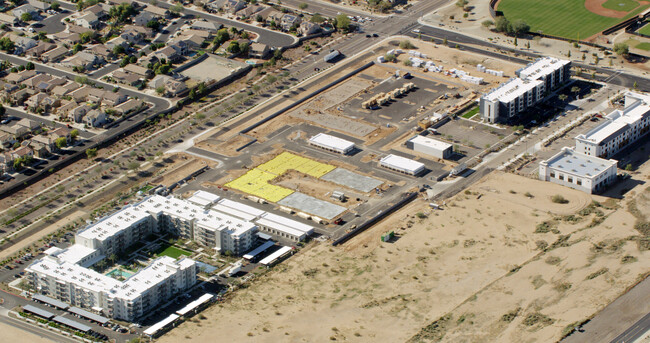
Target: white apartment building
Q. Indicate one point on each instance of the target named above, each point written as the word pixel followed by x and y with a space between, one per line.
pixel 578 171
pixel 126 300
pixel 514 96
pixel 619 129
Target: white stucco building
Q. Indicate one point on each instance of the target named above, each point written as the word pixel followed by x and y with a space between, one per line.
pixel 578 171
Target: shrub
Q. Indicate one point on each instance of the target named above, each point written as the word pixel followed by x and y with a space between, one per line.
pixel 559 199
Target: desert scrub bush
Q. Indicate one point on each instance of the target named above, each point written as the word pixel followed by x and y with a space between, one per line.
pixel 562 286
pixel 597 273
pixel 537 318
pixel 529 195
pixel 541 245
pixel 434 331
pixel 553 260
pixel 547 226
pixel 420 215
pixel 628 259
pixel 559 199
pixel 538 281
pixel 510 316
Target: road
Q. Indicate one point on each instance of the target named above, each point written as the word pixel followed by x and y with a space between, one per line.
pixel 36 330
pixel 630 309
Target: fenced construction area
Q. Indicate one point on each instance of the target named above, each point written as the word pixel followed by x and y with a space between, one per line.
pixel 572 19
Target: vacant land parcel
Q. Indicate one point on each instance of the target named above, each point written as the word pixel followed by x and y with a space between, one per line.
pixel 573 19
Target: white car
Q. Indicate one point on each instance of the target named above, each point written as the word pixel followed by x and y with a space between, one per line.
pixel 416 30
pixel 31 29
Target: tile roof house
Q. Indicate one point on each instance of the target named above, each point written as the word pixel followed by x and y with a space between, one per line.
pixel 205 26
pixel 138 70
pixel 77 113
pixel 67 38
pixel 61 132
pixel 31 125
pixel 288 21
pixel 39 5
pixel 27 8
pixel 307 28
pixel 143 18
pixel 95 118
pixel 55 55
pixel 101 51
pixel 88 20
pixel 113 98
pixel 128 106
pixel 168 53
pixel 232 6
pixel 126 78
pixel 32 82
pixel 258 50
pixel 40 48
pixel 20 76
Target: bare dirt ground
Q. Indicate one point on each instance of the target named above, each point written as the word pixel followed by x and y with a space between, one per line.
pixel 319 189
pixel 486 265
pixel 12 334
pixel 183 166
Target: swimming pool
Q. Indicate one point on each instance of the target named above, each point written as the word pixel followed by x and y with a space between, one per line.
pixel 118 272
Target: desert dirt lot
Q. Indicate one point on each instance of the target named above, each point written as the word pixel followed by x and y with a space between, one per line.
pixel 497 264
pixel 12 334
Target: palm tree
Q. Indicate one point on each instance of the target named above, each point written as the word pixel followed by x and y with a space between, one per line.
pixel 563 97
pixel 575 90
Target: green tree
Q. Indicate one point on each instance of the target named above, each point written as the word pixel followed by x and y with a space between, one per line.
pixel 621 49
pixel 317 18
pixel 77 47
pixel 519 27
pixel 233 48
pixel 487 23
pixel 390 57
pixel 160 90
pixel 26 17
pixel 154 24
pixel 343 22
pixel 30 66
pixel 91 153
pixel 61 142
pixel 118 50
pixel 133 166
pixel 303 6
pixel 406 44
pixel 74 134
pixel 502 25
pixel 177 9
pixel 6 44
pixel 575 90
pixel 563 97
pixel 55 5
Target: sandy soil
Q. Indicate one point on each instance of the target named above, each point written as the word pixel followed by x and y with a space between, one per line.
pixel 183 167
pixel 12 334
pixel 319 189
pixel 474 261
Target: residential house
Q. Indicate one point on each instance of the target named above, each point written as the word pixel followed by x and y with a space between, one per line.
pixel 50 102
pixel 117 41
pixel 132 36
pixel 258 50
pixel 88 20
pixel 39 49
pixel 20 76
pixel 128 106
pixel 167 53
pixel 81 93
pixel 264 13
pixel 138 70
pixel 249 11
pixel 22 152
pixel 158 12
pixel 55 55
pixel 144 31
pixel 232 6
pixel 47 141
pixel 21 43
pixel 113 99
pixel 101 51
pixel 289 21
pixel 18 97
pixel 32 82
pixel 205 26
pixel 215 6
pixel 98 10
pixel 27 8
pixel 66 106
pixel 7 19
pixel 119 2
pixel 31 125
pixel 307 28
pixel 172 87
pixel 187 43
pixel 95 95
pixel 40 150
pixel 39 5
pixel 201 33
pixel 67 38
pixel 16 131
pixel 126 78
pixel 82 59
pixel 34 101
pixel 77 113
pixel 142 18
pixel 61 132
pixel 95 118
pixel 7 140
pixel 6 163
pixel 72 28
pixel 274 17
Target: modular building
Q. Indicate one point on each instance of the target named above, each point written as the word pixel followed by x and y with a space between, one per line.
pixel 619 129
pixel 430 146
pixel 282 227
pixel 331 143
pixel 569 168
pixel 401 165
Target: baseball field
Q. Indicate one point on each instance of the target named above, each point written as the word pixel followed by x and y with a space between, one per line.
pixel 573 19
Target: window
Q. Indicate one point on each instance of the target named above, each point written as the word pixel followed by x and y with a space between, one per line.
pixel 570 179
pixel 552 174
pixel 561 177
pixel 579 182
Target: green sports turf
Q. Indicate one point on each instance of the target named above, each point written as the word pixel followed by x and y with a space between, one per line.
pixel 621 5
pixel 643 46
pixel 645 30
pixel 173 252
pixel 471 113
pixel 563 18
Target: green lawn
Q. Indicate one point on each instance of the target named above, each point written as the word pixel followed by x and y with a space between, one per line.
pixel 564 18
pixel 643 46
pixel 645 30
pixel 621 5
pixel 470 113
pixel 172 252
